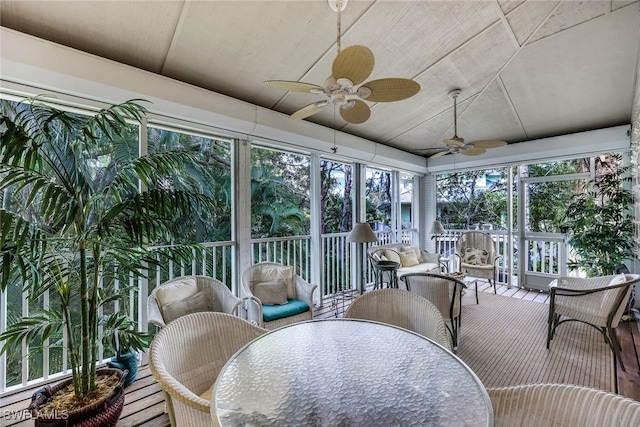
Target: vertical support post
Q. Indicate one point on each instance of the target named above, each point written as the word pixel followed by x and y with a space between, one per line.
pixel 241 226
pixel 359 213
pixel 510 222
pixel 429 200
pixel 316 251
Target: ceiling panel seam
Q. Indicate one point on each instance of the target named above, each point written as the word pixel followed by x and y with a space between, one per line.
pixel 508 61
pixel 451 52
pixel 513 107
pixel 604 13
pixel 506 25
pixel 176 31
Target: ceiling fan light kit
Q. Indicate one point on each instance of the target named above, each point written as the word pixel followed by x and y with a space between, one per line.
pixel 350 68
pixel 457 145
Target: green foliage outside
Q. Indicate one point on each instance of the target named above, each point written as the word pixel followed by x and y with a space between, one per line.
pixel 467 200
pixel 279 194
pixel 378 196
pixel 599 220
pixel 75 225
pixel 596 216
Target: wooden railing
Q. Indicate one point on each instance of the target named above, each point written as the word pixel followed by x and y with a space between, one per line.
pixel 544 255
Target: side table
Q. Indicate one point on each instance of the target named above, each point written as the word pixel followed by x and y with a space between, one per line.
pixel 380 268
pixel 444 264
pixel 340 300
pixel 467 280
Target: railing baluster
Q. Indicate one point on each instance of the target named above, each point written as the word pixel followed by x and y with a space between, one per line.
pixel 3 327
pixel 45 344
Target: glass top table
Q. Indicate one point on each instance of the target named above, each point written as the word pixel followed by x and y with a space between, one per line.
pixel 347 372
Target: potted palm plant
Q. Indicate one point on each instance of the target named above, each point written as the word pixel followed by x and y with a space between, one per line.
pixel 79 211
pixel 599 220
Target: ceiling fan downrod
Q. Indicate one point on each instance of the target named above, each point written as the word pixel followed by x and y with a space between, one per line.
pixel 338 6
pixel 454 95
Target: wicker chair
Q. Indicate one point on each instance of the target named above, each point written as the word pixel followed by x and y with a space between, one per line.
pixel 222 299
pixel 547 405
pixel 404 309
pixel 445 292
pixel 596 301
pixel 186 357
pixel 299 294
pixel 478 257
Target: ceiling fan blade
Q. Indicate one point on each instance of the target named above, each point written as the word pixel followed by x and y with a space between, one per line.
pixel 473 151
pixel 455 142
pixel 292 86
pixel 358 113
pixel 488 143
pixel 309 110
pixel 389 90
pixel 440 154
pixel 354 63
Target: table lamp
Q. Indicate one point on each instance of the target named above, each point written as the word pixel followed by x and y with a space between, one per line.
pixel 437 229
pixel 361 233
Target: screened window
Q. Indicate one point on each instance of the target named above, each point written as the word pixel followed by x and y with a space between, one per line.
pixel 213 175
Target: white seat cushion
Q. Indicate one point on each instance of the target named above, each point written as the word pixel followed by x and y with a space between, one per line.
pixel 425 267
pixel 176 291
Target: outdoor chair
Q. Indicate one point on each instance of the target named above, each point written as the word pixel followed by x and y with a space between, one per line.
pixel 403 309
pixel 186 357
pixel 550 405
pixel 478 257
pixel 445 292
pixel 189 294
pixel 277 296
pixel 596 301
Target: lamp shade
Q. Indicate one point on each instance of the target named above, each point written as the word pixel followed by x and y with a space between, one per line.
pixel 361 233
pixel 437 228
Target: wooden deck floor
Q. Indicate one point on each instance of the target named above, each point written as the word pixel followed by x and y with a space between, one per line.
pixel 144 403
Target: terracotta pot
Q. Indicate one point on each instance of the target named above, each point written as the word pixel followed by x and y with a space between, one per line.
pixel 104 413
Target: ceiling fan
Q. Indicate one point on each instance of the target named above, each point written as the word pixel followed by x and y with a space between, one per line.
pixel 457 145
pixel 351 67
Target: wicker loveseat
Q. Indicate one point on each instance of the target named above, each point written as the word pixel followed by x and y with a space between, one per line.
pixel 421 261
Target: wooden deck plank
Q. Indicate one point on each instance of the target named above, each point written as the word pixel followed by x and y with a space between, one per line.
pixel 629 380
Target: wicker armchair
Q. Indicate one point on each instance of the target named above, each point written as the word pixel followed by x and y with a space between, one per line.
pixel 297 305
pixel 186 357
pixel 445 292
pixel 596 301
pixel 404 309
pixel 547 405
pixel 220 298
pixel 478 257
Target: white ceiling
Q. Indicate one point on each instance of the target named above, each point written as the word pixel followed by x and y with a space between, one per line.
pixel 527 69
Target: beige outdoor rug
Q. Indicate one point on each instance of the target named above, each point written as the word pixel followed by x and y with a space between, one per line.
pixel 503 340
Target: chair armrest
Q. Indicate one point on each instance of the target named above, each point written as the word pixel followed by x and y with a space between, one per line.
pixel 254 310
pixel 556 290
pixel 588 286
pixel 305 290
pixel 230 303
pixel 377 254
pixel 429 257
pixel 153 313
pixel 182 394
